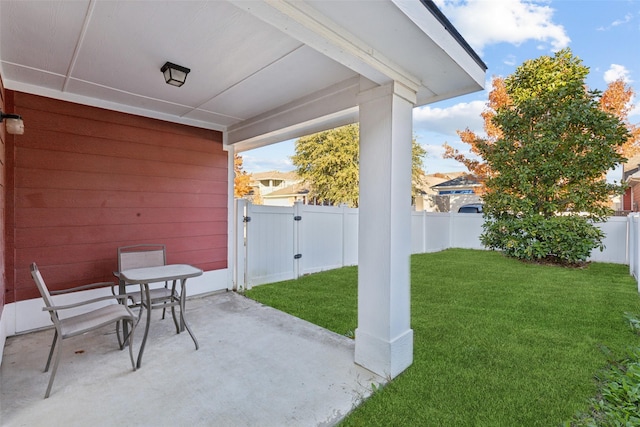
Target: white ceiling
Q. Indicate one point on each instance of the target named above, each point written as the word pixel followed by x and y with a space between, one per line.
pixel 261 70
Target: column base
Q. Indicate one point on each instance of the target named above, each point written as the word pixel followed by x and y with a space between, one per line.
pixel 387 359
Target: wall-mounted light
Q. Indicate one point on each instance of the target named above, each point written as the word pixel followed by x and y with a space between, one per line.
pixel 174 75
pixel 14 123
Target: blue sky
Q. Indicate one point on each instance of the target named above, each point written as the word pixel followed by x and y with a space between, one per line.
pixel 605 34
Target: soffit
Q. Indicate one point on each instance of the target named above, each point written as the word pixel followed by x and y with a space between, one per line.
pixel 249 59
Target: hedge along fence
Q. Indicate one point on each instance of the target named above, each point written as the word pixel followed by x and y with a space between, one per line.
pixel 281 243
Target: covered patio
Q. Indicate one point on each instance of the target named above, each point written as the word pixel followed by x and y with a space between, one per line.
pixel 256 366
pixel 113 156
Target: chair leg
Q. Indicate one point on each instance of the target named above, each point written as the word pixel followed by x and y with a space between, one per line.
pixel 173 307
pixel 164 308
pixel 53 345
pixel 121 340
pixel 175 318
pixel 130 338
pixel 55 368
pixel 140 314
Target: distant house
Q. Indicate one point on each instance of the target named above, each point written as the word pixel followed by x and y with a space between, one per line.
pixel 279 189
pixel 440 192
pixel 631 175
pixel 287 196
pixel 428 199
pixel 459 191
pixel 264 184
pixel 268 182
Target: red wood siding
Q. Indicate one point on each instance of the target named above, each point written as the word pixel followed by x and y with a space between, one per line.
pixel 89 180
pixel 3 144
pixel 626 200
pixel 635 197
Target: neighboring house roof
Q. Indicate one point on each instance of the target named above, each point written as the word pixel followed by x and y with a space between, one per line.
pixel 290 191
pixel 633 176
pixel 461 181
pixel 630 168
pixel 630 174
pixel 287 176
pixel 427 182
pixel 464 184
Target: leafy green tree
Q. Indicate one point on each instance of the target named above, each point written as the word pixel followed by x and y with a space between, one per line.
pixel 328 161
pixel 547 182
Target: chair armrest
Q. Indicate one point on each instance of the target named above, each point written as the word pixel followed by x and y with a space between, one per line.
pixel 81 303
pixel 113 286
pixel 82 288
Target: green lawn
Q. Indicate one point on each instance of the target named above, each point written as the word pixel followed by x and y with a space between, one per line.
pixel 496 342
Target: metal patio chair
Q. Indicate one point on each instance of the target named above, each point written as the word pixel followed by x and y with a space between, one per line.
pixel 146 255
pixel 81 323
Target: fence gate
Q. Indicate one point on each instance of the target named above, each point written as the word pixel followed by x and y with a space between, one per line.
pixel 271 240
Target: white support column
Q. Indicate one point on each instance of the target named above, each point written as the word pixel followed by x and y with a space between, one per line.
pixel 384 338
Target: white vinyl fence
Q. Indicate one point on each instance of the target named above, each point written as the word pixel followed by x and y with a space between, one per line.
pixel 282 243
pixel 634 246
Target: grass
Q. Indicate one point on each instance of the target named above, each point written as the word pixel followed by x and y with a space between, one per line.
pixel 496 342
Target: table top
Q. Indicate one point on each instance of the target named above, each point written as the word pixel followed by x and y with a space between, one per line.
pixel 161 273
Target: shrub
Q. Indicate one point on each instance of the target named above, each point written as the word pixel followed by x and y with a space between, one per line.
pixel 561 239
pixel 618 400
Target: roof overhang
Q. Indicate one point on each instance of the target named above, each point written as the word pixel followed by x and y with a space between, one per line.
pixel 261 71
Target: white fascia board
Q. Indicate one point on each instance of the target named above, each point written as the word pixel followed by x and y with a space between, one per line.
pixel 320 124
pixel 430 25
pixel 304 23
pixel 331 107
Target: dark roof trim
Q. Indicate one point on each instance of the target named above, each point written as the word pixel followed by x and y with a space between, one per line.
pixel 630 172
pixel 461 181
pixel 429 4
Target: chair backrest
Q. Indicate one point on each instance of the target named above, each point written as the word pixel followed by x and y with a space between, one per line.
pixel 143 255
pixel 44 292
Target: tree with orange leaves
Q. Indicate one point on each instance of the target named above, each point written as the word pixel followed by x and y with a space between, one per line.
pixel 616 99
pixel 545 185
pixel 241 179
pixel 498 97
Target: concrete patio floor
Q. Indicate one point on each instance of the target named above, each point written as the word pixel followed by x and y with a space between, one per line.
pixel 256 366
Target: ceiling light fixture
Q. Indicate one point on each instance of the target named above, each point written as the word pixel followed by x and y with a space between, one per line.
pixel 14 123
pixel 174 75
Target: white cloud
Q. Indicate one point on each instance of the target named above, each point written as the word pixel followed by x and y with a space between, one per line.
pixel 514 21
pixel 434 162
pixel 433 151
pixel 448 120
pixel 265 163
pixel 269 158
pixel 437 151
pixel 617 72
pixel 635 110
pixel 510 60
pixel 627 18
pixel 434 126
